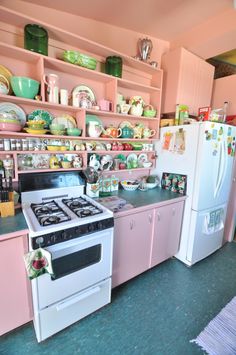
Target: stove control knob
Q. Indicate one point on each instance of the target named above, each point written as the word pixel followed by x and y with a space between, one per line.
pixel 53 238
pixel 64 235
pixel 39 240
pixel 90 227
pixel 100 225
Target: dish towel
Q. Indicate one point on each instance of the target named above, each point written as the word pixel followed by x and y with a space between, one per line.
pixel 38 262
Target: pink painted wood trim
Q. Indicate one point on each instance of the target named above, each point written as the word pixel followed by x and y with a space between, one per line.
pixel 15 300
pixel 19 20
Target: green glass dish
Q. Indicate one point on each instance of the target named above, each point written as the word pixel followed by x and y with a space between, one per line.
pixel 80 59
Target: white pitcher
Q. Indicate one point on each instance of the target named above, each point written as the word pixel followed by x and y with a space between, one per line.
pixel 51 81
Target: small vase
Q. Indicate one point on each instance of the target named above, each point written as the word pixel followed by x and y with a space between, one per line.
pixel 136 110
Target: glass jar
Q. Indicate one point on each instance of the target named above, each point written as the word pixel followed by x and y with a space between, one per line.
pixel 36 39
pixel 113 66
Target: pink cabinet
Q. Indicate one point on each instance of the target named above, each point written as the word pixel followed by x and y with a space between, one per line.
pixel 188 80
pixel 166 234
pixel 15 298
pixel 132 245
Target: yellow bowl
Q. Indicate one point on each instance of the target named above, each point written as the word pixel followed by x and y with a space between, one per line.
pixel 66 164
pixel 53 147
pixel 63 147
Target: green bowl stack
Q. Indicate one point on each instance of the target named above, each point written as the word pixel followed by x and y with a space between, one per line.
pixel 80 59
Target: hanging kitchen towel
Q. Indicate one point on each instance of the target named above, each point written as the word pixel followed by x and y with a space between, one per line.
pixel 38 262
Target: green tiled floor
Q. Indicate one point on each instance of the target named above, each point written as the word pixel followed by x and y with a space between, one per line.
pixel 157 313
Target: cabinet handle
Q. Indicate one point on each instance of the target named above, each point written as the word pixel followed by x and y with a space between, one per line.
pixel 173 211
pixel 131 224
pixel 158 216
pixel 150 218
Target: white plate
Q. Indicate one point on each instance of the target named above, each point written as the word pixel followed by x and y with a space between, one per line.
pixel 85 88
pixel 65 119
pixel 12 108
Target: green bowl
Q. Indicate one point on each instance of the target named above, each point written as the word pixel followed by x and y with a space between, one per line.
pixel 57 127
pixel 24 87
pixel 58 132
pixel 73 131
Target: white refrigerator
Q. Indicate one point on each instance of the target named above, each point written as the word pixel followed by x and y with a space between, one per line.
pixel 205 153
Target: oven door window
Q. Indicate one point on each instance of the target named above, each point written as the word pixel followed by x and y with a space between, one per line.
pixel 76 261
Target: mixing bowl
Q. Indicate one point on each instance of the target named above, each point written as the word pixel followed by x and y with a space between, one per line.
pixel 24 87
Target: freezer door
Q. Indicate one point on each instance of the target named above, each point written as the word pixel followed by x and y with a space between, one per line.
pixel 213 166
pixel 206 233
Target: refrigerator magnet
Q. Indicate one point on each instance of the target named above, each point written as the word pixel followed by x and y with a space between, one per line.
pixel 214 134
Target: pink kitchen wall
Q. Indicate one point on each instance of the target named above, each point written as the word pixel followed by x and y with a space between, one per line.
pixel 224 90
pixel 114 37
pixel 212 37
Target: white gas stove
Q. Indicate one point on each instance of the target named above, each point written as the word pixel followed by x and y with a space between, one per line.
pixel 78 232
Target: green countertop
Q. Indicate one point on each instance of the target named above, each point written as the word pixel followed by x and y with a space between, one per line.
pixel 13 224
pixel 142 198
pixel 137 198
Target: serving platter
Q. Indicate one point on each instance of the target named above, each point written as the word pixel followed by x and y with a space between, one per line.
pixel 8 107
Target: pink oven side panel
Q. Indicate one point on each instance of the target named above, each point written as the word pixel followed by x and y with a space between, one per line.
pixel 15 297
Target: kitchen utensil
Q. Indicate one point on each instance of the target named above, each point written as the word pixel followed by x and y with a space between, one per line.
pixel 36 39
pixel 52 83
pixel 113 66
pixel 41 115
pixel 4 85
pixel 24 87
pixel 7 107
pixel 6 73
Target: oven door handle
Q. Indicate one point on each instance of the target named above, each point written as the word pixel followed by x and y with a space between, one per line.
pixel 80 297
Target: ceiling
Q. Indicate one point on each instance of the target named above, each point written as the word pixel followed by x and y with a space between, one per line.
pixel 164 19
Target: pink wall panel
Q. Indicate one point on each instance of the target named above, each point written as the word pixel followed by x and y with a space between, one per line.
pixel 224 90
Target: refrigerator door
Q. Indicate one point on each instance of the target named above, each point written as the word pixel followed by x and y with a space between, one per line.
pixel 213 166
pixel 206 233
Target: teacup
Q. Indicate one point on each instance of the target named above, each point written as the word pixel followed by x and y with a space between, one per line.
pixel 90 145
pixel 148 133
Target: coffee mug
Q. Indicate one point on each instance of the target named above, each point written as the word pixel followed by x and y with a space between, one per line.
pixel 148 133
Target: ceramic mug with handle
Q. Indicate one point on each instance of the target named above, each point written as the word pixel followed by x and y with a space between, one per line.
pixel 148 133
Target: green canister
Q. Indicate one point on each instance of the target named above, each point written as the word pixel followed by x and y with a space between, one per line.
pixel 36 39
pixel 113 66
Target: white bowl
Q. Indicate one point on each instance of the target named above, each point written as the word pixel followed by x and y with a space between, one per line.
pixel 151 185
pixel 147 164
pixel 129 185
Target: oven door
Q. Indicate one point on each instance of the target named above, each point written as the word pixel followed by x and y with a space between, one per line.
pixel 77 264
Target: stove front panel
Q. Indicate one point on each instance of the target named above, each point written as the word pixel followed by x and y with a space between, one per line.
pixel 74 275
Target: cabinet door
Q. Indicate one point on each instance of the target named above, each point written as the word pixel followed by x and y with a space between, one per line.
pixel 15 295
pixel 205 77
pixel 188 78
pixel 132 246
pixel 166 235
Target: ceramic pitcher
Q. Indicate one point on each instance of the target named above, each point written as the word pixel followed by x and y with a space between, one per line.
pixel 52 83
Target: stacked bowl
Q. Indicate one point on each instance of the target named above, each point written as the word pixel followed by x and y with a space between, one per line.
pixel 36 127
pixel 10 122
pixel 57 129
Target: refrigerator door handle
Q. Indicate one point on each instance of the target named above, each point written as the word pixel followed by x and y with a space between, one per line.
pixel 221 168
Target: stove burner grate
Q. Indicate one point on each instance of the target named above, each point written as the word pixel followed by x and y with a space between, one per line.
pixel 48 213
pixel 81 207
